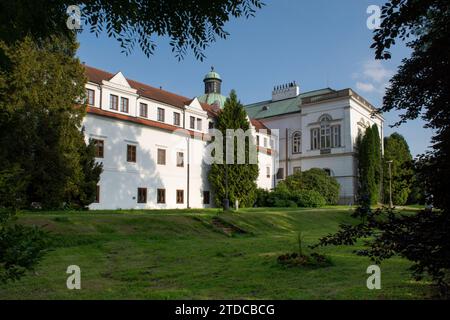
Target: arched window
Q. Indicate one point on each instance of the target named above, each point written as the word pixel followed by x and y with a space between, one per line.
pixel 297 143
pixel 325 132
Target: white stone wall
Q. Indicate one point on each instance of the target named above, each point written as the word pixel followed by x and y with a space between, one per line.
pixel 120 179
pixel 346 112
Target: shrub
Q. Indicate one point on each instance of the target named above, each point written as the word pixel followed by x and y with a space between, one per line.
pixel 282 203
pixel 308 199
pixel 312 180
pixel 262 196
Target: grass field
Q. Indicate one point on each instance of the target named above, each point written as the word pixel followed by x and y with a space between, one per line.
pixel 189 255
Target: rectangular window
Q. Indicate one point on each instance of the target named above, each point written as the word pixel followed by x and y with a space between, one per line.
pixel 99 148
pixel 90 96
pixel 192 123
pixel 206 197
pixel 124 105
pixel 114 102
pixel 97 195
pixel 162 157
pixel 268 172
pixel 176 119
pixel 161 196
pixel 280 174
pixel 257 141
pixel 336 136
pixel 315 139
pixel 211 125
pixel 180 196
pixel 199 124
pixel 143 110
pixel 265 142
pixel 131 153
pixel 180 159
pixel 297 169
pixel 161 115
pixel 142 195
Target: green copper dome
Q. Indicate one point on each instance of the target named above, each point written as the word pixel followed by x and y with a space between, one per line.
pixel 213 98
pixel 212 75
pixel 213 87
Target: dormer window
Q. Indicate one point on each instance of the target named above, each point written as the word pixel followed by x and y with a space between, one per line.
pixel 161 115
pixel 124 105
pixel 143 110
pixel 113 102
pixel 90 97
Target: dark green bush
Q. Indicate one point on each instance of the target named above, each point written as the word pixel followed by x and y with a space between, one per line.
pixel 313 180
pixel 308 199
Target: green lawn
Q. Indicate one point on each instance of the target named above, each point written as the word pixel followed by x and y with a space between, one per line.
pixel 184 255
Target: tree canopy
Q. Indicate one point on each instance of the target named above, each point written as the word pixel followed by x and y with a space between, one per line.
pixel 190 25
pixel 419 89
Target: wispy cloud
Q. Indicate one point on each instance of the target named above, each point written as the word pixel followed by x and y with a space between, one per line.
pixel 373 77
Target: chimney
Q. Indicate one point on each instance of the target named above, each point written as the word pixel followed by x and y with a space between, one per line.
pixel 285 91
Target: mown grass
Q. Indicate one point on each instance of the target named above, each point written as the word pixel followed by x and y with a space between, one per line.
pixel 181 254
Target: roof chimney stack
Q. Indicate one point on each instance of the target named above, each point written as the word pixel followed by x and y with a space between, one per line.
pixel 285 91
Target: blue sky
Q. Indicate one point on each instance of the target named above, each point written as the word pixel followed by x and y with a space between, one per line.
pixel 317 43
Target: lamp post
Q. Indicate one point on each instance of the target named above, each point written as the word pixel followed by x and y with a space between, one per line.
pixel 226 201
pixel 390 184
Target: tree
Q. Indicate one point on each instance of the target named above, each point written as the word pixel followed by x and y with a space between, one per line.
pixel 190 25
pixel 420 89
pixel 396 149
pixel 241 178
pixel 369 164
pixel 40 84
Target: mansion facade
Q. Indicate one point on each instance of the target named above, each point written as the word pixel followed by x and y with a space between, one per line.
pixel 153 143
pixel 318 129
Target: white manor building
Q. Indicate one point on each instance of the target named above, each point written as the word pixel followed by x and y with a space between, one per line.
pixel 318 129
pixel 152 143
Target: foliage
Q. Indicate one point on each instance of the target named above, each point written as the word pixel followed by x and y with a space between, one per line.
pixel 396 149
pixel 41 127
pixel 190 25
pixel 313 180
pixel 282 197
pixel 240 178
pixel 21 247
pixel 420 88
pixel 369 164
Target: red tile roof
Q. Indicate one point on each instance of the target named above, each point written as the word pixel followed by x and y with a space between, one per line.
pixel 146 122
pixel 97 76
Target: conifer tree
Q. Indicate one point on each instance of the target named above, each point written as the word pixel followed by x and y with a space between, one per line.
pixel 396 149
pixel 241 178
pixel 369 165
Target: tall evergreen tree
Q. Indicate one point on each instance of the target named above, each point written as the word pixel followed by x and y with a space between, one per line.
pixel 369 165
pixel 241 178
pixel 396 149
